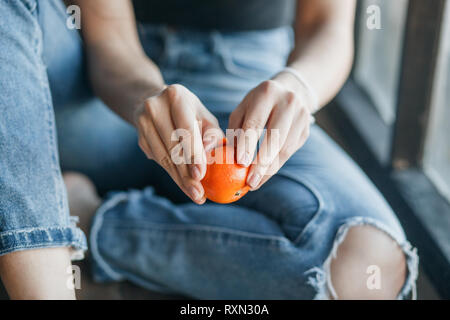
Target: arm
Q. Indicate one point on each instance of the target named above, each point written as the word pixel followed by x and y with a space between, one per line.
pixel 120 72
pixel 323 51
pixel 323 55
pixel 132 85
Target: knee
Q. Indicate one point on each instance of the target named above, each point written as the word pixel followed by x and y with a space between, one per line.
pixel 368 265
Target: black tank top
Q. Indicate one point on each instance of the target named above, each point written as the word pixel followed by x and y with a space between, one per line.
pixel 232 15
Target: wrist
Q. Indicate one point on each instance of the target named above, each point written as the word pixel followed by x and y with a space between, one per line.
pixel 293 81
pixel 139 107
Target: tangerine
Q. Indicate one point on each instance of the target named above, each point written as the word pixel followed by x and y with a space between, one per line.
pixel 224 182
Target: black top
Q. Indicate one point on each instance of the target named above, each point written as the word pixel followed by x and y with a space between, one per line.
pixel 232 15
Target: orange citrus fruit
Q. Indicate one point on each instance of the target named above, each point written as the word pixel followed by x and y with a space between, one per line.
pixel 224 182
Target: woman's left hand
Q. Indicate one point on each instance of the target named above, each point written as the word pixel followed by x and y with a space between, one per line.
pixel 282 107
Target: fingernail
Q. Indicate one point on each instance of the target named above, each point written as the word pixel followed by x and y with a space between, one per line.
pixel 196 173
pixel 247 160
pixel 244 160
pixel 211 144
pixel 195 193
pixel 210 147
pixel 254 180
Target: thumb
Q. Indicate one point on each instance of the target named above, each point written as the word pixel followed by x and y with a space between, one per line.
pixel 212 134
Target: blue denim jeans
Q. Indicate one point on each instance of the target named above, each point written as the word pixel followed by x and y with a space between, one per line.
pixel 274 243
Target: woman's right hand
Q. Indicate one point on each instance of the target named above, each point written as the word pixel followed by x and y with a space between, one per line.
pixel 172 119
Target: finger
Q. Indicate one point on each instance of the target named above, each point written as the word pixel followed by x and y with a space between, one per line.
pixel 297 138
pixel 180 175
pixel 145 147
pixel 183 114
pixel 211 131
pixel 176 149
pixel 212 135
pixel 169 137
pixel 258 110
pixel 278 129
pixel 236 118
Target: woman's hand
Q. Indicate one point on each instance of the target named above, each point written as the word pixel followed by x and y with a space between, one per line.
pixel 282 107
pixel 172 119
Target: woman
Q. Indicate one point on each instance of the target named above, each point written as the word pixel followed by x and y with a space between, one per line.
pixel 312 227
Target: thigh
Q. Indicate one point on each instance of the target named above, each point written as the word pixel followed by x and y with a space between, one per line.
pixel 206 252
pixel 344 193
pixel 63 55
pixel 33 204
pixel 30 182
pixel 319 183
pixel 288 202
pixel 336 180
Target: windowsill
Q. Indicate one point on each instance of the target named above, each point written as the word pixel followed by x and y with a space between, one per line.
pixel 360 110
pixel 432 211
pixel 423 212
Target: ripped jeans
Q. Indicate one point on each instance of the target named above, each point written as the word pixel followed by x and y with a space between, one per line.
pixel 275 243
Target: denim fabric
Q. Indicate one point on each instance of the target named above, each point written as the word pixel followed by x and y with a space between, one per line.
pixel 33 202
pixel 274 243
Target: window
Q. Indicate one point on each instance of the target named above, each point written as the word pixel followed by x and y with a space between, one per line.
pixel 379 54
pixel 393 117
pixel 437 150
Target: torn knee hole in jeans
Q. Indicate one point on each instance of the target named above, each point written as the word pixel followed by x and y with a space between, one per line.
pixel 320 277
